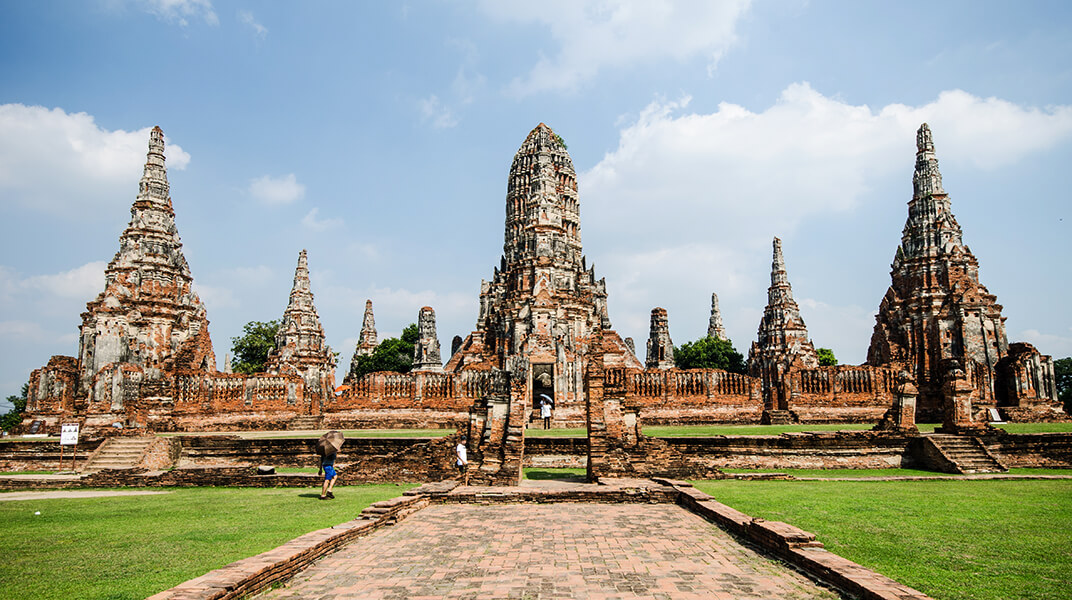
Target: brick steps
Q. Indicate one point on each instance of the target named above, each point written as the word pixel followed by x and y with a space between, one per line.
pixel 967 453
pixel 119 453
pixel 307 423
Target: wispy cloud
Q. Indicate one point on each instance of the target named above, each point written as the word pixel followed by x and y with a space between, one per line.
pixel 180 11
pixel 601 34
pixel 806 157
pixel 246 18
pixel 311 221
pixel 468 82
pixel 436 113
pixel 67 165
pixel 276 190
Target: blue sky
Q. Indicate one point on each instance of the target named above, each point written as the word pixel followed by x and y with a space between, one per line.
pixel 379 137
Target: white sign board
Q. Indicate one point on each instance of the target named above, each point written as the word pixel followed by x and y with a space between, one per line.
pixel 69 435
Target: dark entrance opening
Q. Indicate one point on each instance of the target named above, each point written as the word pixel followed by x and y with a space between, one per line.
pixel 543 390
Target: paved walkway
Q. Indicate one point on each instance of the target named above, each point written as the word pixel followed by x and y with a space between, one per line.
pixel 549 551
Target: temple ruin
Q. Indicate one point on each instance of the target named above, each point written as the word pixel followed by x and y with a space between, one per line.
pixel 543 329
pixel 941 324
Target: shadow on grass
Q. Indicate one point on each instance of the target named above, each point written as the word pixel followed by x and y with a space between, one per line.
pixel 570 475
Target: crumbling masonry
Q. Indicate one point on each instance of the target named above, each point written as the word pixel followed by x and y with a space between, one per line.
pixel 543 329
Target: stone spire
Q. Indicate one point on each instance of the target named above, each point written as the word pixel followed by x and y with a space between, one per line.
pixel 927 180
pixel 936 313
pixel 931 227
pixel 426 356
pixel 367 342
pixel 542 211
pixel 299 343
pixel 782 335
pixel 660 347
pixel 715 329
pixel 543 302
pixel 148 314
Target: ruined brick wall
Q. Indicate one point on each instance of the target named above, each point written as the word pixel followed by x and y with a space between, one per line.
pixel 1043 450
pixel 361 459
pixel 841 394
pixel 43 456
pixel 694 396
pixel 820 450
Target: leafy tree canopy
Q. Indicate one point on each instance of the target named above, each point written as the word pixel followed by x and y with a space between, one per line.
pixel 13 417
pixel 392 354
pixel 826 357
pixel 251 349
pixel 709 353
pixel 1062 370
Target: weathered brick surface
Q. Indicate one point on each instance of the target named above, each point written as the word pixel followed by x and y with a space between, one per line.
pixel 586 541
pixel 937 317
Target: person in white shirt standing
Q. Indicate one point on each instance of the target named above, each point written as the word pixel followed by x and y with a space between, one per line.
pixel 463 461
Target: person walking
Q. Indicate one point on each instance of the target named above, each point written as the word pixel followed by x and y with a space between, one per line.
pixel 327 448
pixel 462 461
pixel 545 410
pixel 327 464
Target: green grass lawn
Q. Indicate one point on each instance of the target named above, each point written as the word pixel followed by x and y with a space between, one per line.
pixel 951 539
pixel 873 473
pixel 132 547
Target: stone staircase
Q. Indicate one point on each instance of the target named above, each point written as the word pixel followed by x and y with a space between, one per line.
pixel 119 453
pixel 778 417
pixel 966 453
pixel 306 423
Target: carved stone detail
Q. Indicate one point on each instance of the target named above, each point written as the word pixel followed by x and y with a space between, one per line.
pixel 660 347
pixel 426 355
pixel 715 328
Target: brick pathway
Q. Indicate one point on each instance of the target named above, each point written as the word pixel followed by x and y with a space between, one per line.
pixel 549 551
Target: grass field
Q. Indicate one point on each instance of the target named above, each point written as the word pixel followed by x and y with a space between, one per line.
pixel 874 473
pixel 951 539
pixel 132 547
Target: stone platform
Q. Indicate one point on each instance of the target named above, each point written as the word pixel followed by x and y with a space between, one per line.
pixel 626 539
pixel 549 551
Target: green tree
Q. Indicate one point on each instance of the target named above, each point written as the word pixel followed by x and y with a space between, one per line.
pixel 392 354
pixel 709 353
pixel 826 357
pixel 12 418
pixel 1062 371
pixel 251 349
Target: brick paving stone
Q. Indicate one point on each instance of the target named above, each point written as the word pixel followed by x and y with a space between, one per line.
pixel 549 551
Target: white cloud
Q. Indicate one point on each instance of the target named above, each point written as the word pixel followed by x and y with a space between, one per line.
pixel 728 181
pixel 436 113
pixel 276 190
pixel 464 89
pixel 808 154
pixel 595 35
pixel 21 330
pixel 246 18
pixel 311 222
pixel 1057 346
pixel 83 282
pixel 67 165
pixel 178 11
pixel 215 297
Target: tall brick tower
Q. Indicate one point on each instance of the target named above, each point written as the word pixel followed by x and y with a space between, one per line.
pixel 936 315
pixel 543 302
pixel 782 341
pixel 299 344
pixel 148 315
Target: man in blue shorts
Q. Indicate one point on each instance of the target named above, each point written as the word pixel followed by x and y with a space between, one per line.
pixel 327 463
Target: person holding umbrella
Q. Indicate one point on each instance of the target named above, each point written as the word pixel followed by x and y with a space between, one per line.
pixel 546 404
pixel 327 448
